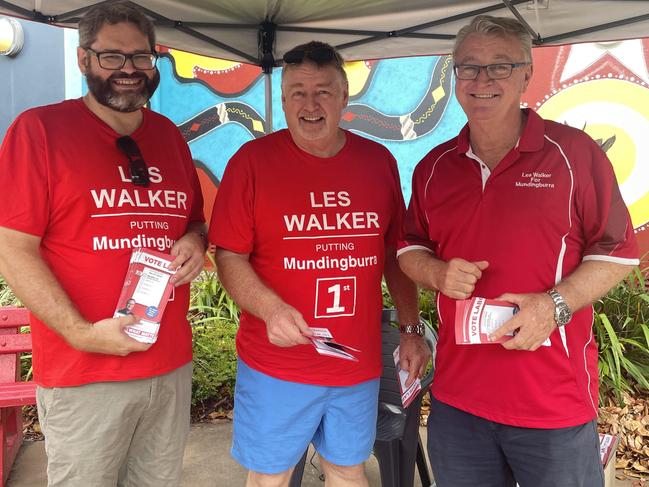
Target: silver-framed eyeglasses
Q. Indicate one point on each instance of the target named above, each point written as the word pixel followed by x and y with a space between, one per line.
pixel 116 60
pixel 494 71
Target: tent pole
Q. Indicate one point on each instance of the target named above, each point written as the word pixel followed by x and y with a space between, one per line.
pixel 268 78
pixel 266 45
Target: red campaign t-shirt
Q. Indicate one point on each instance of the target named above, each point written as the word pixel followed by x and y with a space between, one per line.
pixel 549 204
pixel 315 230
pixel 64 179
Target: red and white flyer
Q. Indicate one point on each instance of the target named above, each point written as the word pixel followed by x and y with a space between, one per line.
pixel 324 344
pixel 145 293
pixel 477 318
pixel 408 393
pixel 607 447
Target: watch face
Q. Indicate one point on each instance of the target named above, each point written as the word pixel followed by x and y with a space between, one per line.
pixel 563 316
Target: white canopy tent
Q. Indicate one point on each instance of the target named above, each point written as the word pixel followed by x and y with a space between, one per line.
pixel 261 31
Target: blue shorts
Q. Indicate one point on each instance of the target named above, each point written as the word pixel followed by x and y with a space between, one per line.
pixel 275 420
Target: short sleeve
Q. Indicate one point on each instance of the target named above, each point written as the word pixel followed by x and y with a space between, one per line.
pixel 607 227
pixel 395 230
pixel 24 195
pixel 232 222
pixel 415 229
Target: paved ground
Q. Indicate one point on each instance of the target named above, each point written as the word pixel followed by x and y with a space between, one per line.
pixel 207 463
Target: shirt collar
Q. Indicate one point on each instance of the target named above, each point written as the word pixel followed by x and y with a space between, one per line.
pixel 531 140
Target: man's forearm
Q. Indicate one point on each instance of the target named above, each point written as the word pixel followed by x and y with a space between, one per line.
pixel 244 285
pixel 34 284
pixel 402 290
pixel 422 267
pixel 590 281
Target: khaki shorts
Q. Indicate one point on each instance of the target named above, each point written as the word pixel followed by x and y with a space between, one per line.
pixel 126 434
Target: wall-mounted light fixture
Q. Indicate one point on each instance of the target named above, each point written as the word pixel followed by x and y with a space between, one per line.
pixel 11 36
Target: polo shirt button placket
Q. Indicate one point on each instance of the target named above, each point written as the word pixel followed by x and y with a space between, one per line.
pixel 485 173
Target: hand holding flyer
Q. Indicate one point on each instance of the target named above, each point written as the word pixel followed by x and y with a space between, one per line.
pixel 408 393
pixel 145 293
pixel 477 318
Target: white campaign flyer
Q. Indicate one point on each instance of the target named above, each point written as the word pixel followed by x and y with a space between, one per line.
pixel 151 287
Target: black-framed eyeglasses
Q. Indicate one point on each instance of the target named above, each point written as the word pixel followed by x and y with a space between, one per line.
pixel 318 55
pixel 494 71
pixel 136 165
pixel 116 60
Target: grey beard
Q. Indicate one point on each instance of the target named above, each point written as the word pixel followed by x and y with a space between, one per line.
pixel 121 102
pixel 125 102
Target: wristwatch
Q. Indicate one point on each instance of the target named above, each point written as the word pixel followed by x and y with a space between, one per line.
pixel 417 329
pixel 562 313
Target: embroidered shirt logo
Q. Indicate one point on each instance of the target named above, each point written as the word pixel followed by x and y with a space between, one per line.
pixel 535 180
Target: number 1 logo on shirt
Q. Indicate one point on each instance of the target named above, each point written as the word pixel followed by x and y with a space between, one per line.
pixel 335 296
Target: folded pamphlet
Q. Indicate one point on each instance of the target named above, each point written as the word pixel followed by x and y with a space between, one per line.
pixel 145 293
pixel 324 344
pixel 607 447
pixel 477 318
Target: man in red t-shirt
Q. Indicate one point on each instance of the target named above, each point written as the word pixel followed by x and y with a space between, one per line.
pixel 528 211
pixel 82 184
pixel 306 222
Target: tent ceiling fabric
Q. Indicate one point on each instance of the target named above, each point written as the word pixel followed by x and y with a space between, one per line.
pixel 230 29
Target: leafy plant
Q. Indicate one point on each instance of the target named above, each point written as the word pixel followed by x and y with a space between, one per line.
pixel 622 334
pixel 215 319
pixel 7 297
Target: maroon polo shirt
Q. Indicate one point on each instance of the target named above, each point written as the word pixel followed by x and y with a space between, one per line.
pixel 551 203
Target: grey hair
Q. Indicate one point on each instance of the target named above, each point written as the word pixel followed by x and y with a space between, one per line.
pixel 499 26
pixel 308 49
pixel 114 13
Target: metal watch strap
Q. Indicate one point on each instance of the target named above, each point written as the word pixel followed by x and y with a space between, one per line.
pixel 562 313
pixel 416 329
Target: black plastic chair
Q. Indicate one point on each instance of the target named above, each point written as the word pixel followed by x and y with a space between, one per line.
pixel 398 446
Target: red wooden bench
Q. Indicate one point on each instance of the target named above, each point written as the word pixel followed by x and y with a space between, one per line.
pixel 14 393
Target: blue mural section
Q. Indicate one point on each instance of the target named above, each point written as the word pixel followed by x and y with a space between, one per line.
pixel 398 87
pixel 183 101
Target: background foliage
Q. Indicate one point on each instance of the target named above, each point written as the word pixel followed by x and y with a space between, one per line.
pixel 621 327
pixel 214 318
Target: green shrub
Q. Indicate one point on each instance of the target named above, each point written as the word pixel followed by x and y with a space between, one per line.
pixel 7 297
pixel 622 334
pixel 215 319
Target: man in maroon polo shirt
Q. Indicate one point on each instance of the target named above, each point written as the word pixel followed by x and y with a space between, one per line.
pixel 528 211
